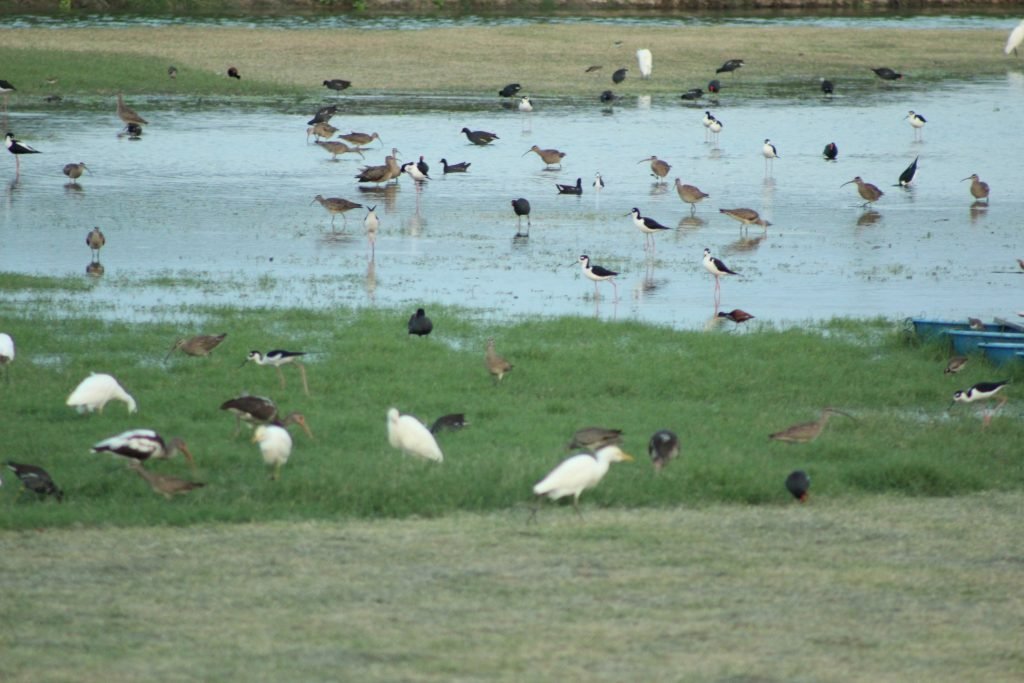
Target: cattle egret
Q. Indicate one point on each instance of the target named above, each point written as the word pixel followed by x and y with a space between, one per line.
pixel 1015 39
pixel 143 444
pixel 408 434
pixel 275 446
pixel 578 473
pixel 95 391
pixel 645 62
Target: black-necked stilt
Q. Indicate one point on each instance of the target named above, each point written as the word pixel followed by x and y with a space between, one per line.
pixel 715 266
pixel 578 473
pixel 357 138
pixel 979 188
pixel 708 119
pixel 715 128
pixel 411 436
pixel 770 154
pixel 645 62
pixel 479 137
pixel 830 152
pixel 908 174
pixel 6 88
pixel 389 170
pixel 827 87
pixel 172 72
pixel 737 315
pixel 420 324
pixel 798 484
pixel 982 391
pixel 412 169
pixel 598 274
pixel 335 206
pixel 714 86
pixel 35 479
pixel 96 391
pixel 423 167
pixel 1014 40
pixel 452 422
pixel 598 182
pixel 521 207
pixel 551 157
pixel 460 167
pixel 868 192
pixel 199 346
pixel 323 114
pixel 496 365
pixel 619 75
pixel 320 131
pixel 336 147
pixel 729 66
pixel 594 438
pixel 370 224
pixel 164 484
pixel 659 168
pixel 338 84
pixel 917 121
pixel 663 447
pixel 75 171
pixel 955 365
pixel 128 115
pixel 276 359
pixel 608 97
pixel 509 90
pixel 692 94
pixel 746 217
pixel 525 105
pixel 17 149
pixel 95 241
pixel 887 74
pixel 233 73
pixel 576 189
pixel 807 431
pixel 143 444
pixel 648 226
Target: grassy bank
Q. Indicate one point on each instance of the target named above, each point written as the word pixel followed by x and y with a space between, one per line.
pixel 549 60
pixel 722 392
pixel 878 589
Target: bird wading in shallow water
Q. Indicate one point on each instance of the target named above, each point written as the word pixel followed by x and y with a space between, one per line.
pixel 979 188
pixel 598 274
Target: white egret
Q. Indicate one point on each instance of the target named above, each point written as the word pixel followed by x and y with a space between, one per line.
pixel 95 391
pixel 408 434
pixel 645 61
pixel 580 472
pixel 1015 39
pixel 275 446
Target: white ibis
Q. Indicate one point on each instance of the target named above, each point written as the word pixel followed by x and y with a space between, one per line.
pixel 275 446
pixel 143 444
pixel 578 473
pixel 95 391
pixel 1013 41
pixel 411 436
pixel 276 359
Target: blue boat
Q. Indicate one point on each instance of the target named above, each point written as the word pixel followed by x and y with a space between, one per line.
pixel 967 341
pixel 1001 353
pixel 931 330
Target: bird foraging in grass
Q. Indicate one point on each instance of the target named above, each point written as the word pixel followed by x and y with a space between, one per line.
pixel 143 444
pixel 164 484
pixel 496 365
pixel 452 422
pixel 982 391
pixel 275 446
pixel 35 479
pixel 411 436
pixel 798 484
pixel 420 324
pixel 663 447
pixel 806 432
pixel 95 391
pixel 578 473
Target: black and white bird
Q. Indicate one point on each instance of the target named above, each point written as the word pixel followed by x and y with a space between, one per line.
pixel 6 88
pixel 423 167
pixel 908 174
pixel 648 226
pixel 143 444
pixel 521 207
pixel 708 119
pixel 371 223
pixel 598 274
pixel 598 182
pixel 982 391
pixel 36 479
pixel 917 121
pixel 452 422
pixel 692 94
pixel 420 324
pixel 798 484
pixel 770 154
pixel 17 149
pixel 663 447
pixel 831 151
pixel 233 73
pixel 276 359
pixel 412 169
pixel 525 105
pixel 730 65
pixel 827 87
pixel 570 189
pixel 718 269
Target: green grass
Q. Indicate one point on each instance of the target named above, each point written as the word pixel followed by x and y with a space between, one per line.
pixel 723 393
pixel 875 589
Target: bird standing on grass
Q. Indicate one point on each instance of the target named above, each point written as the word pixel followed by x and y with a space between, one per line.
pixel 496 365
pixel 982 391
pixel 278 357
pixel 198 346
pixel 338 84
pixel 143 444
pixel 164 484
pixel 798 484
pixel 233 73
pixel 578 473
pixel 408 434
pixel 420 324
pixel 35 479
pixel 275 446
pixel 95 391
pixel 663 447
pixel 806 432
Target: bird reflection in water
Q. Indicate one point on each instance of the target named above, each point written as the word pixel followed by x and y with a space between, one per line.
pixel 95 269
pixel 690 224
pixel 869 217
pixel 978 211
pixel 388 195
pixel 370 281
pixel 744 243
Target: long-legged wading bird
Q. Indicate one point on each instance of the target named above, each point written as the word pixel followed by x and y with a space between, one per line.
pixel 716 267
pixel 521 207
pixel 659 168
pixel 336 206
pixel 596 274
pixel 389 170
pixel 128 115
pixel 336 147
pixel 357 138
pixel 1014 40
pixel 648 226
pixel 144 444
pixel 95 240
pixel 320 131
pixel 495 363
pixel 645 62
pixel 908 174
pixel 806 432
pixel 578 473
pixel 95 391
pixel 35 479
pixel 979 188
pixel 17 148
pixel 75 171
pixel 746 217
pixel 6 353
pixel 663 448
pixel 164 484
pixel 917 121
pixel 411 436
pixel 770 155
pixel 371 223
pixel 868 192
pixel 252 410
pixel 278 357
pixel 982 391
pixel 691 194
pixel 199 345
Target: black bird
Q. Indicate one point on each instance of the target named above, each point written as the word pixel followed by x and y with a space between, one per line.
pixel 460 167
pixel 827 87
pixel 233 73
pixel 323 114
pixel 133 131
pixel 453 421
pixel 831 151
pixel 420 324
pixel 571 189
pixel 338 84
pixel 619 75
pixel 730 65
pixel 522 208
pixel 908 174
pixel 663 447
pixel 885 73
pixel 692 94
pixel 509 90
pixel 36 479
pixel 608 97
pixel 592 68
pixel 714 86
pixel 423 167
pixel 172 72
pixel 479 137
pixel 17 149
pixel 798 484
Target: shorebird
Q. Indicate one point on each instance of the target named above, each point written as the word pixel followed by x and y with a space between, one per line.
pixel 982 391
pixel 336 147
pixel 525 105
pixel 521 207
pixel 979 188
pixel 357 138
pixel 420 324
pixel 715 127
pixel 648 226
pixel 798 483
pixel 278 357
pixel 17 148
pixel 35 479
pixel 746 217
pixel 496 365
pixel 335 206
pixel 831 151
pixel 452 422
pixel 868 192
pixel 594 438
pixel 381 174
pixel 663 448
pixel 619 75
pixel 659 168
pixel 164 484
pixel 370 225
pixel 570 189
pixel 143 444
pixel 338 84
pixel 955 365
pixel 737 315
pixel 691 194
pixel 75 171
pixel 708 119
pixel 320 131
pixel 598 183
pixel 460 167
pixel 578 473
pixel 806 432
pixel 233 73
pixel 692 94
pixel 128 115
pixel 95 241
pixel 551 157
pixel 917 121
pixel 199 345
pixel 908 174
pixel 827 87
pixel 715 266
pixel 770 154
pixel 412 169
pixel 412 437
pixel 887 74
pixel 510 90
pixel 479 137
pixel 729 66
pixel 598 274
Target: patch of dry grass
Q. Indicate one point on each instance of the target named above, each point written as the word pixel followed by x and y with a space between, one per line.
pixel 877 589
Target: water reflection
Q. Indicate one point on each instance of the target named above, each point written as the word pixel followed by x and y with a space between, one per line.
pixel 869 217
pixel 95 269
pixel 744 244
pixel 691 223
pixel 978 210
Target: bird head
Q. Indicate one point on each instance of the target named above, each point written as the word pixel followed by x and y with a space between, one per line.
pixel 177 345
pixel 179 445
pixel 299 419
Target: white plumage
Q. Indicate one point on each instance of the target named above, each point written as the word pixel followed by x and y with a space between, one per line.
pixel 580 472
pixel 525 104
pixel 95 391
pixel 6 348
pixel 275 446
pixel 645 61
pixel 408 434
pixel 1015 39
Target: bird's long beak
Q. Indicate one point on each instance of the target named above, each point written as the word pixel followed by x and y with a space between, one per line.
pixel 643 160
pixel 188 456
pixel 305 428
pixel 171 351
pixel 846 183
pixel 244 362
pixel 967 178
pixel 312 202
pixel 951 404
pixel 526 152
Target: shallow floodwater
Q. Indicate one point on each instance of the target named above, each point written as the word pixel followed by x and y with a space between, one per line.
pixel 213 205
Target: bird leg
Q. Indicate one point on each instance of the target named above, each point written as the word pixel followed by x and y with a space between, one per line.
pixel 280 375
pixel 576 506
pixel 302 371
pixel 615 287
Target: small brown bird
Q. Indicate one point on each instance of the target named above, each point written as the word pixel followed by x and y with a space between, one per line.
pixel 868 192
pixel 360 138
pixel 690 194
pixel 496 365
pixel 594 438
pixel 164 484
pixel 659 168
pixel 979 188
pixel 746 217
pixel 737 315
pixel 95 241
pixel 955 365
pixel 75 171
pixel 233 73
pixel 806 432
pixel 200 345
